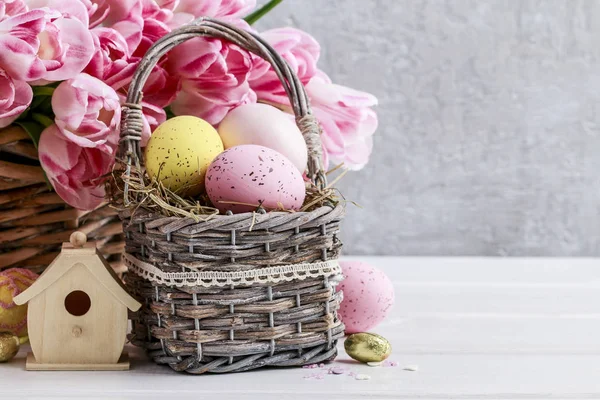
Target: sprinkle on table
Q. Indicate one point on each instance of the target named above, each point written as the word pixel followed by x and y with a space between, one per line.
pixel 411 368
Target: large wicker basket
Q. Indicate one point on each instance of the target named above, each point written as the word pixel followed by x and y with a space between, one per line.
pixel 234 292
pixel 34 220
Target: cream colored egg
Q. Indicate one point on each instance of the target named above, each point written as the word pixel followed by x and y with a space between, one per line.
pixel 179 153
pixel 267 126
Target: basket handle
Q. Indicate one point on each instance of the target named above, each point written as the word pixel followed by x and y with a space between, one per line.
pixel 131 119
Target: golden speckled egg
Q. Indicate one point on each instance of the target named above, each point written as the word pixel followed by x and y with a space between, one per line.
pixel 13 281
pixel 9 346
pixel 367 347
pixel 179 153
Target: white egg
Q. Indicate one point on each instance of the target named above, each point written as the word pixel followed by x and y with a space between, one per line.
pixel 267 126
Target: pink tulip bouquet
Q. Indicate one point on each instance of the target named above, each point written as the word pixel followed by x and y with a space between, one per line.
pixel 66 66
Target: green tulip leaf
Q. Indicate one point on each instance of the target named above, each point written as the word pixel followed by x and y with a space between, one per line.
pixel 33 129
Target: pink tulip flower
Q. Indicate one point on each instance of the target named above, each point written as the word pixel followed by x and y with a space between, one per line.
pixel 44 45
pixel 156 10
pixel 70 8
pixel 76 173
pixel 15 97
pixel 208 105
pixel 97 11
pixel 112 65
pixel 153 116
pixel 140 22
pixel 88 113
pixel 185 11
pixel 152 30
pixel 299 49
pixel 66 47
pixel 19 45
pixel 160 90
pixel 215 8
pixel 10 8
pixel 125 16
pixel 161 86
pixel 110 54
pixel 120 55
pixel 345 115
pixel 214 78
pixel 347 120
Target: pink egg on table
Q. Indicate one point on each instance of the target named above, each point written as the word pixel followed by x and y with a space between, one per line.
pixel 368 296
pixel 243 177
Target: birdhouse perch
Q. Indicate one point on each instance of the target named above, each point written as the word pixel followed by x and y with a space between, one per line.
pixel 77 313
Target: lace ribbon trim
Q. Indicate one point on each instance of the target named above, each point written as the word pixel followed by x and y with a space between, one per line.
pixel 283 273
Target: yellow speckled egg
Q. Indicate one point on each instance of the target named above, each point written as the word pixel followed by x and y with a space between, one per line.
pixel 179 153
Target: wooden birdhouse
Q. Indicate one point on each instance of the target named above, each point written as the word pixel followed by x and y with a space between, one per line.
pixel 77 313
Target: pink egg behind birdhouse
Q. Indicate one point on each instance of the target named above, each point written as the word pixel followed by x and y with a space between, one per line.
pixel 246 176
pixel 368 296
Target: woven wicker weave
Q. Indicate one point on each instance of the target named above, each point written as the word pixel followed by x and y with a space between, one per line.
pixel 35 221
pixel 234 292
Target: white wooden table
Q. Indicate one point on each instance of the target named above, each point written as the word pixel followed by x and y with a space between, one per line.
pixel 477 328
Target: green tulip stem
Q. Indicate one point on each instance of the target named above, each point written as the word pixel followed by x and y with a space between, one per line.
pixel 43 91
pixel 261 12
pixel 42 119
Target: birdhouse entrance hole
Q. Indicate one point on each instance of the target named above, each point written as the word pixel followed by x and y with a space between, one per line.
pixel 78 303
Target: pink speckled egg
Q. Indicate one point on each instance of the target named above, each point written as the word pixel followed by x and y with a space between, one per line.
pixel 368 296
pixel 243 177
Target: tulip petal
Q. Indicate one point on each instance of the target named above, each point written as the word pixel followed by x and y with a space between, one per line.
pixel 299 49
pixel 19 45
pixel 15 97
pixel 215 8
pixel 71 8
pixel 76 173
pixel 214 78
pixel 79 45
pixel 347 121
pixel 88 113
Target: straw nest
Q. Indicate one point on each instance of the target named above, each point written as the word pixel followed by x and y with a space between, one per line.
pixel 151 195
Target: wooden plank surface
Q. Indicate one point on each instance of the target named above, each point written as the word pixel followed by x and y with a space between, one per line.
pixel 121 365
pixel 478 328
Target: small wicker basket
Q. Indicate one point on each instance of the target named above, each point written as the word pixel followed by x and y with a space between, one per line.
pixel 233 292
pixel 34 220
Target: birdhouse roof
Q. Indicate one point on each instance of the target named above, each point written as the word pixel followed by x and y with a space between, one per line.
pixel 89 257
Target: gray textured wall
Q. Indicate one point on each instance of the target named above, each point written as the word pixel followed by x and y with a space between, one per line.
pixel 490 122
